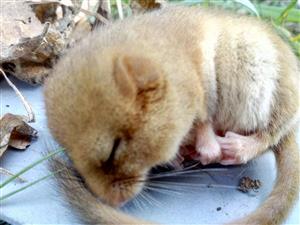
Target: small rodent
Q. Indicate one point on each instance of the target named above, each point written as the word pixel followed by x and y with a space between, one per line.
pixel 124 99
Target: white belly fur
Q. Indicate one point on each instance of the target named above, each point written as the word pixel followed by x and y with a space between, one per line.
pixel 244 88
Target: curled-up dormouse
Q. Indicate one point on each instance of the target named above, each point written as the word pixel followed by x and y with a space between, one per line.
pixel 128 96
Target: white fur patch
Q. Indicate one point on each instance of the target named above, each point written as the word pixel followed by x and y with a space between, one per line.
pixel 247 70
pixel 208 47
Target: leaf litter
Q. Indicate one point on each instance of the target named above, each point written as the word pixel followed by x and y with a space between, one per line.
pixel 34 34
pixel 14 130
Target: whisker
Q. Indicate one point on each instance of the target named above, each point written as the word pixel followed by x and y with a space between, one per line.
pixel 153 200
pixel 142 203
pixel 135 181
pixel 162 190
pixel 139 202
pixel 186 168
pixel 143 195
pixel 191 185
pixel 190 175
pixel 175 175
pixel 242 172
pixel 134 201
pixel 172 171
pixel 167 187
pixel 184 172
pixel 133 178
pixel 170 190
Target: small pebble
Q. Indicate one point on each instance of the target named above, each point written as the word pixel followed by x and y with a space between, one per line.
pixel 219 208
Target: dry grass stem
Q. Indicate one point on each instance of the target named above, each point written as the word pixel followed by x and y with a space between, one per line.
pixel 30 113
pixel 8 173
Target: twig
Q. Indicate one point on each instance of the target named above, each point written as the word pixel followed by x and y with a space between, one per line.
pixel 97 15
pixel 104 9
pixel 6 172
pixel 31 116
pixel 43 36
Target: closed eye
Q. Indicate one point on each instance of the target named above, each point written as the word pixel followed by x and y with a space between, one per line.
pixel 115 147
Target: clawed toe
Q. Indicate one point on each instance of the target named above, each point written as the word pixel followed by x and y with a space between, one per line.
pixel 236 149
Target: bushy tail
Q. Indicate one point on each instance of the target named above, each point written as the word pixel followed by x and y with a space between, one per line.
pixel 91 210
pixel 275 208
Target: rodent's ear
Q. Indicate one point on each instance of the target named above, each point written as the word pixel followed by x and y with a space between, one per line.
pixel 135 75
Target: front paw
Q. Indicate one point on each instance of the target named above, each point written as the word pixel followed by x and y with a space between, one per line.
pixel 209 153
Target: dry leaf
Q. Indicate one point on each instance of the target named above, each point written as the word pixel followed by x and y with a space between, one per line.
pixel 46 12
pixel 24 40
pixel 37 32
pixel 17 22
pixel 141 6
pixel 30 48
pixel 15 132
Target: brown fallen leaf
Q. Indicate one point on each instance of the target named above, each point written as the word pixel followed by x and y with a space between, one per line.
pixel 30 48
pixel 141 6
pixel 15 132
pixel 34 34
pixel 24 39
pixel 46 12
pixel 17 22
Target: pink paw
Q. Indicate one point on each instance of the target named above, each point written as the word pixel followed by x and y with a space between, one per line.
pixel 209 153
pixel 236 149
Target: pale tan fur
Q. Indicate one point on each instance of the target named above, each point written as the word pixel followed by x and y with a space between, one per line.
pixel 148 80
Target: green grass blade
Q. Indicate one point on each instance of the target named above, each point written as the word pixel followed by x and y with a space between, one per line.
pixel 286 36
pixel 24 170
pixel 2 198
pixel 206 3
pixel 296 38
pixel 286 12
pixel 273 12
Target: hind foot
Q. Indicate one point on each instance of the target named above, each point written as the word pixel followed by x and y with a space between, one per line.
pixel 238 149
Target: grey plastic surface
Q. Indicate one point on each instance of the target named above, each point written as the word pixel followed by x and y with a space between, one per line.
pixel 43 204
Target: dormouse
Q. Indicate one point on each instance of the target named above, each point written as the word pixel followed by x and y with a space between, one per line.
pixel 124 99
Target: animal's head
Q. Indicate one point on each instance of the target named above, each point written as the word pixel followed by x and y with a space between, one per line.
pixel 115 116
